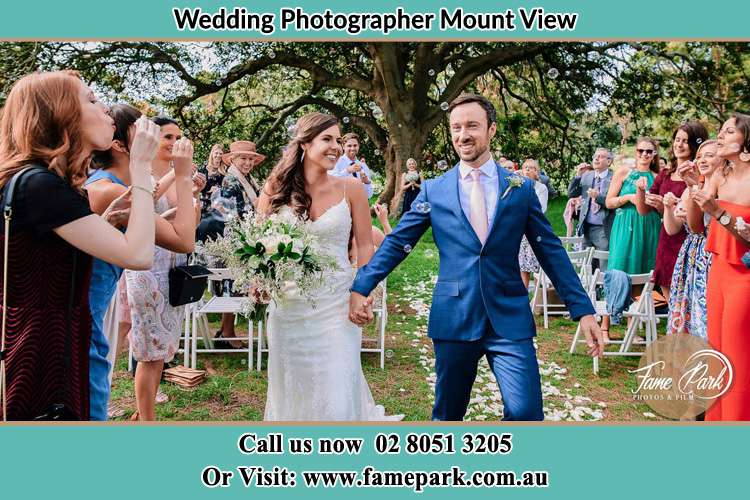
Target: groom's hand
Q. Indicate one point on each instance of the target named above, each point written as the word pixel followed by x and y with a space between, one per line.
pixel 593 334
pixel 360 309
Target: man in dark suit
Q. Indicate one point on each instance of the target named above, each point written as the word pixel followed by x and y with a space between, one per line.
pixel 595 222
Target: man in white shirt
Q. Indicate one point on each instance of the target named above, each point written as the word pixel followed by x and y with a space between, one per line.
pixel 349 165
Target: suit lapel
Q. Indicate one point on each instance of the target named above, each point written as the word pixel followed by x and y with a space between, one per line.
pixel 502 186
pixel 454 199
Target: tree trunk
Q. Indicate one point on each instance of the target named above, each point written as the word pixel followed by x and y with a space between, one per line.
pixel 404 142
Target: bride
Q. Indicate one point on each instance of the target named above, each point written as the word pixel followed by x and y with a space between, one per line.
pixel 314 370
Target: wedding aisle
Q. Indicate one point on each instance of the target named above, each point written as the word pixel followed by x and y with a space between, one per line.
pixel 571 391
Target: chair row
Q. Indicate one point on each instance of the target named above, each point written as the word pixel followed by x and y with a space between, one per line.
pixel 197 327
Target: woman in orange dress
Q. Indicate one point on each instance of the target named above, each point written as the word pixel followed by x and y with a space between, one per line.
pixel 727 199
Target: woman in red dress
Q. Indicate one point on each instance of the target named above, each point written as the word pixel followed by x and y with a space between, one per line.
pixel 685 142
pixel 727 199
pixel 54 122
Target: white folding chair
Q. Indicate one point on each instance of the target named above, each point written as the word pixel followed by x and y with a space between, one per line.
pixel 581 261
pixel 572 243
pixel 380 310
pixel 601 256
pixel 641 313
pixel 218 304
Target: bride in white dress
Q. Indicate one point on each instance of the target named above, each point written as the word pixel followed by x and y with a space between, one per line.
pixel 314 369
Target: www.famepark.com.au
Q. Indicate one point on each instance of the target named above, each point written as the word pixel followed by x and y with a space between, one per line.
pixel 370 477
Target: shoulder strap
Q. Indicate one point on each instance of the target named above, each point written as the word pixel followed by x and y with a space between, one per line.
pixel 8 196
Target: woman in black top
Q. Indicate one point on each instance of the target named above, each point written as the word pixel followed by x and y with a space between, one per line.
pixel 53 121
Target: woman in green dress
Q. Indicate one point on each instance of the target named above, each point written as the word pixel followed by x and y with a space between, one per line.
pixel 634 237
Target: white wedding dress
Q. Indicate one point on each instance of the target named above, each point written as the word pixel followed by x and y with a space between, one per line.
pixel 314 369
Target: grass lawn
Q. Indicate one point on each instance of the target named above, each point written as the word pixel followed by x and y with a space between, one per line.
pixel 571 390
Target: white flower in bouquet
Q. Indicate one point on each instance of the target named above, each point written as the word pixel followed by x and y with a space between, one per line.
pixel 412 177
pixel 275 258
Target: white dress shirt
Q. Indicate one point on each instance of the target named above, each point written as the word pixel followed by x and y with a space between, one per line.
pixel 490 185
pixel 340 171
pixel 542 193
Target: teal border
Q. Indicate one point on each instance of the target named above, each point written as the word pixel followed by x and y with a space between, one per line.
pixel 153 19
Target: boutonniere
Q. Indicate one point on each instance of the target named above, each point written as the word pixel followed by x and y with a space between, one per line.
pixel 514 181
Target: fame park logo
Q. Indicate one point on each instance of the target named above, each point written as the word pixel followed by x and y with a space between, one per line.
pixel 681 376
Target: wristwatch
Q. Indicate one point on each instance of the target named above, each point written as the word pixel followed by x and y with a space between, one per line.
pixel 725 218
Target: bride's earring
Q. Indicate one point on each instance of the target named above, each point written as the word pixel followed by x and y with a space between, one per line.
pixel 745 156
pixel 301 158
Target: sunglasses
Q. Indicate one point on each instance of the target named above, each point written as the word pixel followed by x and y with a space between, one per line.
pixel 647 152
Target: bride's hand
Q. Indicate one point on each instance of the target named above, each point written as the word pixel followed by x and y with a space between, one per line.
pixel 360 309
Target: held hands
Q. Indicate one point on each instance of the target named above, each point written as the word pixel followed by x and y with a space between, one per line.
pixel 182 158
pixel 360 309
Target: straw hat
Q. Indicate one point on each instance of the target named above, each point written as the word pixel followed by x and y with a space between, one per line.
pixel 245 148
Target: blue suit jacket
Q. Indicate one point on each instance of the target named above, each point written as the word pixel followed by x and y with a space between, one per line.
pixel 479 283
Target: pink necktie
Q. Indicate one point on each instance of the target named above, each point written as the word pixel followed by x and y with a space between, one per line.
pixel 477 206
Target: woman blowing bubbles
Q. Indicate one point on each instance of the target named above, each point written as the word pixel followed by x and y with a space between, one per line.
pixel 54 121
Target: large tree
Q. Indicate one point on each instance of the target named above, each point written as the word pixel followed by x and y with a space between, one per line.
pixel 552 97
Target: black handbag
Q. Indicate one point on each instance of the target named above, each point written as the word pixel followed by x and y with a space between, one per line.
pixel 55 411
pixel 187 284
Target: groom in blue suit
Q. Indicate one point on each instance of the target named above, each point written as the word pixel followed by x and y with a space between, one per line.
pixel 479 213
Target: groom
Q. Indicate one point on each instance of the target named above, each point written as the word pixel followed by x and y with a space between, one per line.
pixel 478 213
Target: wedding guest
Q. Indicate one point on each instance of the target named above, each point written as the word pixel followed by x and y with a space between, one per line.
pixel 662 163
pixel 111 181
pixel 349 165
pixel 726 198
pixel 526 258
pixel 54 121
pixel 685 141
pixel 687 301
pixel 215 171
pixel 156 325
pixel 634 238
pixel 595 220
pixel 241 186
pixel 411 182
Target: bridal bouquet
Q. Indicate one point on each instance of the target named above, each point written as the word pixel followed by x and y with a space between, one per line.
pixel 273 257
pixel 412 177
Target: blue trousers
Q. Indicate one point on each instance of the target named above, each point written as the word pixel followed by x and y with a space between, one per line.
pixel 512 361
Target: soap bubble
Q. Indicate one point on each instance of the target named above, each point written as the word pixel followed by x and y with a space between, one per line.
pixel 272 54
pixel 442 164
pixel 553 73
pixel 389 354
pixel 407 248
pixel 345 119
pixel 444 106
pixel 431 72
pixel 372 105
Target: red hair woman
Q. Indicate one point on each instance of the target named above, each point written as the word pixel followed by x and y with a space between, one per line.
pixel 54 122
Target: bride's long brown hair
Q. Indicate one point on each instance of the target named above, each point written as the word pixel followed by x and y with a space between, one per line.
pixel 41 123
pixel 286 183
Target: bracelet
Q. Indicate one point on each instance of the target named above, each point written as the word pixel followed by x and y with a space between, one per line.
pixel 149 191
